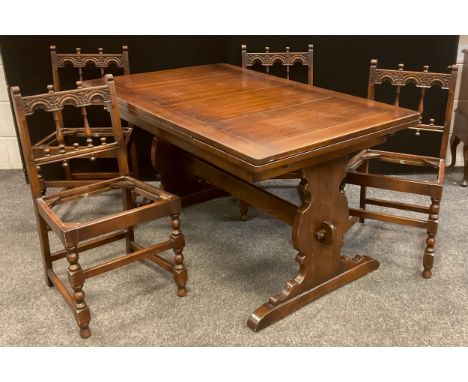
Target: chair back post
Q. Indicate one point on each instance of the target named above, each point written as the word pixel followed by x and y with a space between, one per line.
pixel 34 175
pixel 449 110
pixel 371 83
pixel 55 78
pixel 310 67
pixel 117 127
pixel 125 60
pixel 55 73
pixel 244 55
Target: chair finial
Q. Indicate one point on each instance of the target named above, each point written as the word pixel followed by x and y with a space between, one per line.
pixel 53 48
pixel 426 68
pixel 79 84
pixel 100 50
pixel 50 88
pixel 374 62
pixel 401 66
pixel 15 91
pixel 288 49
pixel 267 49
pixel 109 78
pixel 78 50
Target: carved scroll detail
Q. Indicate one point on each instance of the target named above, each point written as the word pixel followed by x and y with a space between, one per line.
pixel 286 59
pixel 420 79
pixel 80 60
pixel 57 100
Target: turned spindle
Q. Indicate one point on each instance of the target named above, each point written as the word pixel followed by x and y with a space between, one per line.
pixel 80 70
pixel 39 172
pixel 180 273
pixel 76 280
pixel 100 51
pixel 398 88
pixel 267 68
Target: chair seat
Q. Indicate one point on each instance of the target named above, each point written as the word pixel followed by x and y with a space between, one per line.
pixel 393 157
pixel 160 204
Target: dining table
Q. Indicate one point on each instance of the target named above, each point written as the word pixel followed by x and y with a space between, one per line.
pixel 220 129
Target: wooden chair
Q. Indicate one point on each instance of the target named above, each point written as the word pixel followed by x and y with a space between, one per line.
pixel 79 236
pixel 287 59
pixel 358 167
pixel 64 134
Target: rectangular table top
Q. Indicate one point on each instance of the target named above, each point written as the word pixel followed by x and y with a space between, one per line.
pixel 255 117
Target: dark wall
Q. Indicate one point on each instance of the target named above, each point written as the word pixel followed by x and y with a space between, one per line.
pixel 340 62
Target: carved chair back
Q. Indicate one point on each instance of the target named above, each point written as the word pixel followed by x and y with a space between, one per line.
pixel 37 155
pixel 287 58
pixel 80 61
pixel 103 62
pixel 424 80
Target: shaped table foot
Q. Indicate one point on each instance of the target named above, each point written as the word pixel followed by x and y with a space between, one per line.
pixel 318 229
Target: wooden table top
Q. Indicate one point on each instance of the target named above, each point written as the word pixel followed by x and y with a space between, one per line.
pixel 255 117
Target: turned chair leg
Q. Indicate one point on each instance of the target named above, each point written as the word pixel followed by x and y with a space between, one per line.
pixel 128 200
pixel 453 150
pixel 244 210
pixel 363 191
pixel 179 272
pixel 154 155
pixel 76 279
pixel 428 258
pixel 45 247
pixel 134 158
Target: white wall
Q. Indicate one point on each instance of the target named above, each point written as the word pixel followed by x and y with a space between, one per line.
pixel 9 149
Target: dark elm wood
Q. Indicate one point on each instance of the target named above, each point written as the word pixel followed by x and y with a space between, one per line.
pixel 67 135
pixel 358 166
pixel 233 127
pixel 78 237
